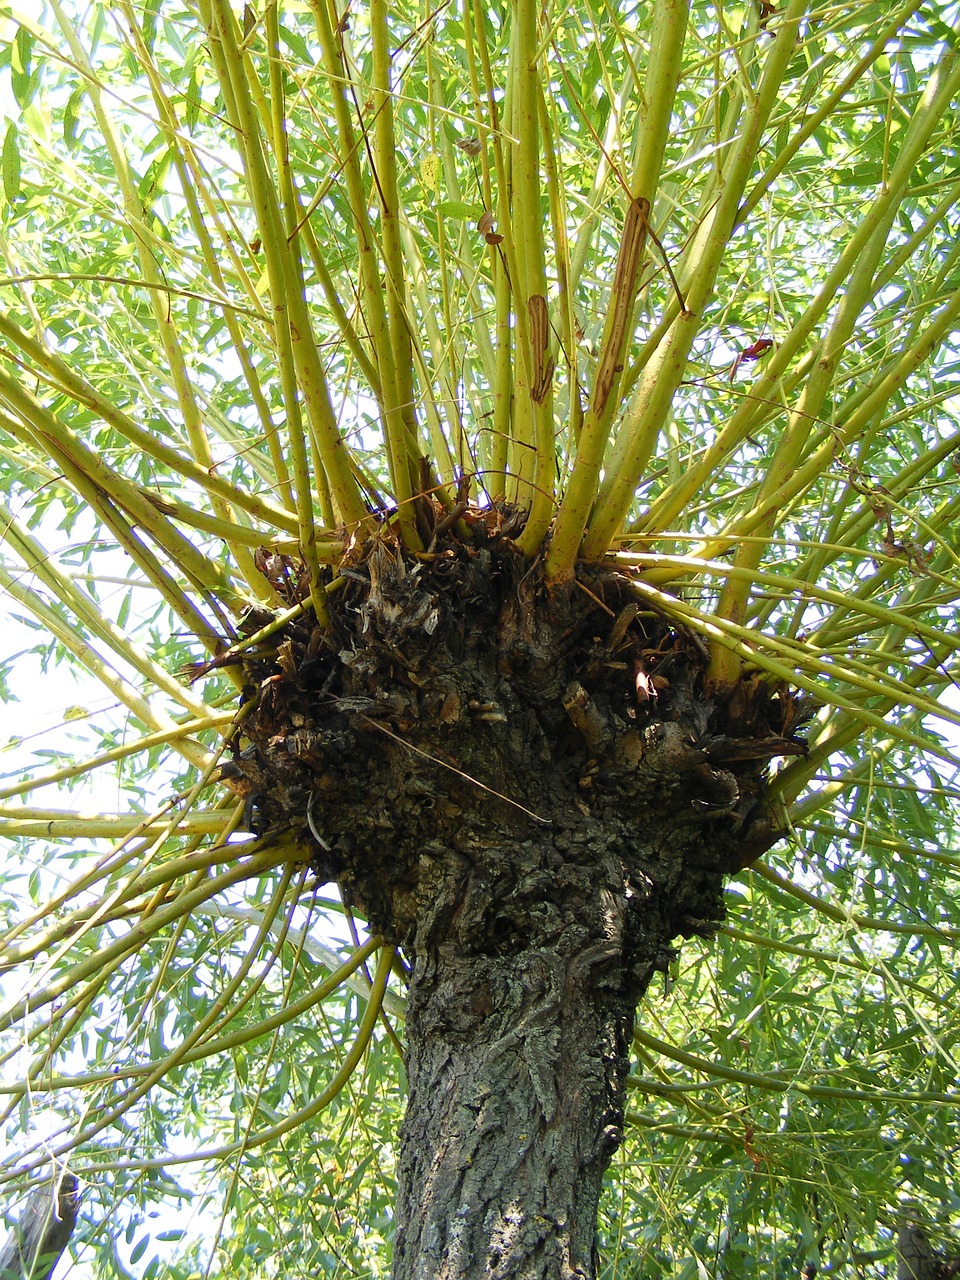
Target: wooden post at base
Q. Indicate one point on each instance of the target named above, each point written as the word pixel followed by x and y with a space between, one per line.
pixel 34 1245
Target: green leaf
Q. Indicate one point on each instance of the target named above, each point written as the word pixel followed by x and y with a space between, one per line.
pixel 293 40
pixel 460 210
pixel 151 184
pixel 139 1249
pixel 22 82
pixel 194 97
pixel 11 164
pixel 71 117
pixel 149 11
pixel 36 121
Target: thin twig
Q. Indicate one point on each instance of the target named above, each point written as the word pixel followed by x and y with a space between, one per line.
pixel 453 769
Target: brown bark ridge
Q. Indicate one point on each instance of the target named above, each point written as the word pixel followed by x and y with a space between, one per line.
pixel 532 794
pixel 46 1222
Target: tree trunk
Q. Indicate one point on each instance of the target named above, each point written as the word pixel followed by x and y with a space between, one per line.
pixel 517 1072
pixel 532 793
pixel 33 1247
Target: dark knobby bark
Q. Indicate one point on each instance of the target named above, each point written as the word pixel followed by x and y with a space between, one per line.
pixel 532 794
pixel 46 1222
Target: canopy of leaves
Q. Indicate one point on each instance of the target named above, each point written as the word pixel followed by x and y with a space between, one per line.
pixel 680 286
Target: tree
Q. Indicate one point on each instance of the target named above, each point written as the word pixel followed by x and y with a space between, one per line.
pixel 502 460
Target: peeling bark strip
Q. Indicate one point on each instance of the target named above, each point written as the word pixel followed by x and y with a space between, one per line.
pixel 33 1247
pixel 533 795
pixel 543 364
pixel 623 295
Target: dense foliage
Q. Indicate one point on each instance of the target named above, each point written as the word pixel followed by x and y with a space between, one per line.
pixel 678 290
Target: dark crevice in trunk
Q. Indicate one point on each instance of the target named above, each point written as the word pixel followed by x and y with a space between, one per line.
pixel 533 795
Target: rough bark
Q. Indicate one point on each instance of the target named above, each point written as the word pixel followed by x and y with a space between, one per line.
pixel 517 1066
pixel 531 794
pixel 34 1245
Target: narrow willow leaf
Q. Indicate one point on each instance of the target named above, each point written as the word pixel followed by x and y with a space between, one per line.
pixel 11 164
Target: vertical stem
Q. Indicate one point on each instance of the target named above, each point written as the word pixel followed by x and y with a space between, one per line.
pixel 652 401
pixel 284 285
pixel 300 361
pixel 291 210
pixel 502 458
pixel 530 289
pixel 391 396
pixel 142 236
pixel 663 78
pixel 784 474
pixel 301 369
pixel 385 157
pixel 191 182
pixel 567 341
